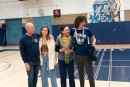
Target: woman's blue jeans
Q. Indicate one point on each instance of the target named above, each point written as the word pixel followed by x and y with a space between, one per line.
pixel 45 72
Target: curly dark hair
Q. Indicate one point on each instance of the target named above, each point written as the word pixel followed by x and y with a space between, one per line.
pixel 78 20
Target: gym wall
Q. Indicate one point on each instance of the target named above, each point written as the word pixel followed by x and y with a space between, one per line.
pixel 66 19
pixel 2 35
pixel 127 15
pixel 31 8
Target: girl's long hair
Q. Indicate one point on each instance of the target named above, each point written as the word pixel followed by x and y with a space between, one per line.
pixel 48 34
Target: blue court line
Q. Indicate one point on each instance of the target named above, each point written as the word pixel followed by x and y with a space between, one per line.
pixel 2 50
pixel 9 65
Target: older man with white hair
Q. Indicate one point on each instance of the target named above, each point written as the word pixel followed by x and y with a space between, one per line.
pixel 29 49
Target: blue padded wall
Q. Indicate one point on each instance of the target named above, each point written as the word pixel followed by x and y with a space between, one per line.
pixel 42 21
pixel 56 29
pixel 105 33
pixel 14 31
pixel 2 36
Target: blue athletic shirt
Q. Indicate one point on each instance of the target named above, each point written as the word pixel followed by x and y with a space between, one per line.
pixel 81 49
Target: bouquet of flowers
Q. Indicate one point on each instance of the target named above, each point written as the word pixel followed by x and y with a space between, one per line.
pixel 65 43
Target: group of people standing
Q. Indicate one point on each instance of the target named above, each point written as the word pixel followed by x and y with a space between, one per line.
pixel 39 53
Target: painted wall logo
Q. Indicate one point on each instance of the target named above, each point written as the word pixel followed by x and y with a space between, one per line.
pixel 105 11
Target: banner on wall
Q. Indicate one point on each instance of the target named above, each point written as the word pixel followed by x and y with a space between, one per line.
pixel 105 11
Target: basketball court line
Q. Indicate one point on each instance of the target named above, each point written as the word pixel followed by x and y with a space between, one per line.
pixel 110 70
pixel 7 67
pixel 99 65
pixel 8 55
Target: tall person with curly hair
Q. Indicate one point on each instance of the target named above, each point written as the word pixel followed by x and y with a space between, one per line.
pixel 81 34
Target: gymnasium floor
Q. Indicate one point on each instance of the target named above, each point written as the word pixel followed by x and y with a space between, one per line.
pixel 111 70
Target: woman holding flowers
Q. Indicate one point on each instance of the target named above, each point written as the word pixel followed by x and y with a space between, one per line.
pixel 64 47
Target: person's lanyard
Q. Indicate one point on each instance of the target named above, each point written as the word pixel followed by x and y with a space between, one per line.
pixel 78 40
